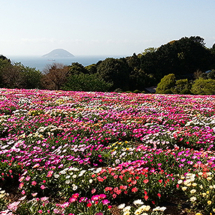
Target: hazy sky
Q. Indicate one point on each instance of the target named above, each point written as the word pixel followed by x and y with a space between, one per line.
pixel 101 27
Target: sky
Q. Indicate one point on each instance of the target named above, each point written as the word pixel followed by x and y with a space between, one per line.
pixel 101 27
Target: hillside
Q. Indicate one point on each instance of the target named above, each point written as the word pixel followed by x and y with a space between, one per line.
pixel 58 53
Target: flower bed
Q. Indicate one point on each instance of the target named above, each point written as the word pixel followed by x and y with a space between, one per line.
pixel 85 152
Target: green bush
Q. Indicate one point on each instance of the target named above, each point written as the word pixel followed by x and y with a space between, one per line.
pixel 166 84
pixel 203 87
pixel 182 86
pixel 86 82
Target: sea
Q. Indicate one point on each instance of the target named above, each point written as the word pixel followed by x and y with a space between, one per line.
pixel 40 63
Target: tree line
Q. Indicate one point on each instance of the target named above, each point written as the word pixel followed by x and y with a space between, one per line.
pixel 187 59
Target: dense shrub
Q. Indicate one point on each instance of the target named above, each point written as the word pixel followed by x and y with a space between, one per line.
pixel 203 87
pixel 166 83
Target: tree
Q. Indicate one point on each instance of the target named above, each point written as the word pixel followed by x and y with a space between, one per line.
pixel 54 76
pixel 183 57
pixel 4 63
pixel 77 68
pixel 12 76
pixel 86 82
pixel 92 69
pixel 166 84
pixel 203 87
pixel 182 86
pixel 149 50
pixel 114 71
pixel 32 78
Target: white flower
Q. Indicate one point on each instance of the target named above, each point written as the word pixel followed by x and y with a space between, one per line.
pixel 74 187
pixel 193 199
pixel 184 188
pixel 192 191
pixel 56 175
pixel 63 172
pixel 121 206
pixel 117 161
pixel 138 202
pixel 156 209
pixel 137 212
pixel 162 208
pixel 127 208
pixel 67 182
pixel 180 182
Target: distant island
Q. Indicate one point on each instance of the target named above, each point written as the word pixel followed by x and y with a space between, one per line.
pixel 58 53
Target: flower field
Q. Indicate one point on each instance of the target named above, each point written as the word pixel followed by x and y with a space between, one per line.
pixel 97 153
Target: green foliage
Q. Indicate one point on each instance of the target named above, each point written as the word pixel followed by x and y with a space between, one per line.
pixel 182 86
pixel 166 84
pixel 86 82
pixel 32 78
pixel 211 75
pixel 137 91
pixel 115 71
pixel 77 68
pixel 4 63
pixel 149 50
pixel 92 69
pixel 203 87
pixel 183 57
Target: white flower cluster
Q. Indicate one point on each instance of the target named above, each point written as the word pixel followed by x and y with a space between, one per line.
pixel 140 210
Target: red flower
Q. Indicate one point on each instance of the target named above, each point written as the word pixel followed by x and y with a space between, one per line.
pixel 89 205
pixel 134 189
pixel 100 179
pixel 129 180
pixel 118 192
pixel 160 180
pixel 159 195
pixel 146 198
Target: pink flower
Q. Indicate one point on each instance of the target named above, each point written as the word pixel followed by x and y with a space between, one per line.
pixel 43 199
pixel 95 198
pixel 105 202
pixel 42 187
pixel 72 199
pixel 93 190
pixel 33 183
pixel 49 174
pixel 36 165
pixel 34 194
pixel 21 185
pixel 28 178
pixel 40 211
pixel 13 206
